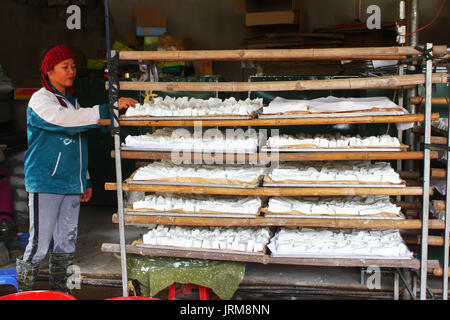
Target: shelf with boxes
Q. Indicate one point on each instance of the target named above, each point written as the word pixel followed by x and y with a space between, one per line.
pixel 299 226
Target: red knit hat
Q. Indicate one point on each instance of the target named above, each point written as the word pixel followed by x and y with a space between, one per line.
pixel 54 56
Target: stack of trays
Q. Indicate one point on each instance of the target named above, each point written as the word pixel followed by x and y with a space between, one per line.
pixel 185 108
pixel 167 173
pixel 210 140
pixel 216 239
pixel 332 143
pixel 339 243
pixel 334 174
pixel 356 207
pixel 197 205
pixel 330 107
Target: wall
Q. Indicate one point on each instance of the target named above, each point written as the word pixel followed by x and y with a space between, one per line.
pixel 210 24
pixel 26 30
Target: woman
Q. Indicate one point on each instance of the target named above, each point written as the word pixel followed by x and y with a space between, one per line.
pixel 56 175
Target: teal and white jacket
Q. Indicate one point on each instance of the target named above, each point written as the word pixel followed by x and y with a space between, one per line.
pixel 57 157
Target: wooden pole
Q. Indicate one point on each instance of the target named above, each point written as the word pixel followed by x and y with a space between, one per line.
pixel 271 191
pixel 262 259
pixel 299 156
pixel 368 53
pixel 419 117
pixel 435 100
pixel 388 82
pixel 260 221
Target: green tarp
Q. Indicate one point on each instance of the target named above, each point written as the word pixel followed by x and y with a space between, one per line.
pixel 154 274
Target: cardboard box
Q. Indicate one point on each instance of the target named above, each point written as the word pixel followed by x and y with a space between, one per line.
pixel 150 31
pixel 271 17
pixel 203 68
pixel 150 16
pixel 244 6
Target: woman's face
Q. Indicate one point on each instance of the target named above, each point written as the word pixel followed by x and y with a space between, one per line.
pixel 63 74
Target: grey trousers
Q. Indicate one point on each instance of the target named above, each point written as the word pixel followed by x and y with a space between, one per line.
pixel 52 217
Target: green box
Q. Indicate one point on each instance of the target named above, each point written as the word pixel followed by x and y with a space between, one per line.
pixel 151 43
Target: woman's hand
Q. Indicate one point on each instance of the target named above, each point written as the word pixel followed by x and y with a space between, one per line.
pixel 85 197
pixel 125 103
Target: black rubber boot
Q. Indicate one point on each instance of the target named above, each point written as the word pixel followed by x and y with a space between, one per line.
pixel 27 273
pixel 58 264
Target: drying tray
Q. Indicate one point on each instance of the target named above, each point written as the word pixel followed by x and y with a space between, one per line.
pixel 330 115
pixel 338 256
pixel 284 149
pixel 304 216
pixel 193 184
pixel 221 251
pixel 150 212
pixel 201 150
pixel 189 184
pixel 335 185
pixel 208 117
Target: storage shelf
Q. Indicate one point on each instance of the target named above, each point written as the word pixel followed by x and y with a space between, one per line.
pixel 273 122
pixel 282 222
pixel 282 156
pixel 264 259
pixel 271 191
pixel 387 82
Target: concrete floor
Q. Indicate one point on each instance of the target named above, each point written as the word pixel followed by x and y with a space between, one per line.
pixel 101 272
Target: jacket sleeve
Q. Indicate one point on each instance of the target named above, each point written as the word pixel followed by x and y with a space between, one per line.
pixel 88 180
pixel 44 113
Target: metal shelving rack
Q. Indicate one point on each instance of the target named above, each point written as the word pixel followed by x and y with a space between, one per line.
pixel 389 53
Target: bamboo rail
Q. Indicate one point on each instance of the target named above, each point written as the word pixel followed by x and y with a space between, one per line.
pixel 435 140
pixel 368 53
pixel 263 259
pixel 439 272
pixel 282 222
pixel 270 191
pixel 282 156
pixel 436 241
pixel 273 122
pixel 434 100
pixel 435 173
pixel 388 82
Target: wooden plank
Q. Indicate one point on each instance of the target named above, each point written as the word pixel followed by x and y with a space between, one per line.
pixel 432 240
pixel 265 259
pixel 268 191
pixel 282 156
pixel 439 272
pixel 282 222
pixel 387 82
pixel 437 204
pixel 273 122
pixel 367 53
pixel 435 173
pixel 434 100
pixel 435 140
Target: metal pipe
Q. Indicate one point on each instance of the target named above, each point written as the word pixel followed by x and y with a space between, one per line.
pixel 414 22
pixel 426 181
pixel 410 291
pixel 400 132
pixel 447 226
pixel 113 100
pixel 413 41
